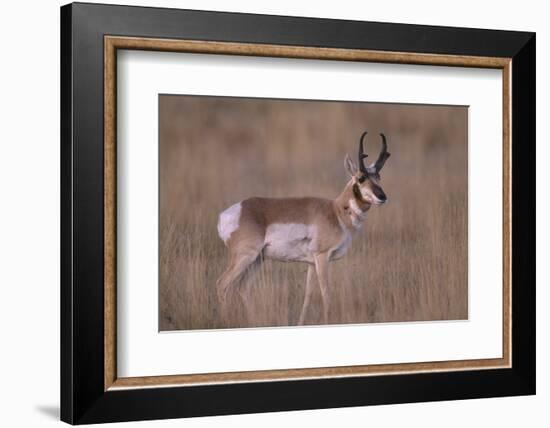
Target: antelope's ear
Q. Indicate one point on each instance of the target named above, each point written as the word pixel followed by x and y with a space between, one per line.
pixel 351 168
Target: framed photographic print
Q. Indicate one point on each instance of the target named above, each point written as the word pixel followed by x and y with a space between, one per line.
pixel 265 213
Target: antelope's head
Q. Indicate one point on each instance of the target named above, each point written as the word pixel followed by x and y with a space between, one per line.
pixel 366 179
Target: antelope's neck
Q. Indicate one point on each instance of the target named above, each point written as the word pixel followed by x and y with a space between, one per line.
pixel 351 208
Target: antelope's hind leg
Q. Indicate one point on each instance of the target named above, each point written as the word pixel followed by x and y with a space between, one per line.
pixel 241 258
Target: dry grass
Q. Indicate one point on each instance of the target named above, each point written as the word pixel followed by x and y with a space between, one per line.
pixel 409 262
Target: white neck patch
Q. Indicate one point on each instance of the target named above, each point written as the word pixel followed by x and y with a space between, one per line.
pixel 357 215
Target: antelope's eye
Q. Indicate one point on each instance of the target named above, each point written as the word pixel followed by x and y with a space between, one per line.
pixel 362 179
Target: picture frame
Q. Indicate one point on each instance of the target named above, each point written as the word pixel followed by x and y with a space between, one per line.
pixel 91 390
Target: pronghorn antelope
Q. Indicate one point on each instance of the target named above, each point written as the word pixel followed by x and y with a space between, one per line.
pixel 309 230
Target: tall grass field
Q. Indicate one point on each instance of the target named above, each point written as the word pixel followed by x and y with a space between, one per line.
pixel 407 263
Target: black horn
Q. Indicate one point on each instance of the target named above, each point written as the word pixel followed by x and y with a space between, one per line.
pixel 362 154
pixel 383 156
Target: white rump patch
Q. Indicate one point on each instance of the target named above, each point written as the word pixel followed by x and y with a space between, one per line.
pixel 289 241
pixel 228 222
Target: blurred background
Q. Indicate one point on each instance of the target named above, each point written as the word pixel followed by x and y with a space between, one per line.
pixel 408 263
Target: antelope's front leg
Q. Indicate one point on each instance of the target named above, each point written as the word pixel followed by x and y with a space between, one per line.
pixel 321 266
pixel 309 290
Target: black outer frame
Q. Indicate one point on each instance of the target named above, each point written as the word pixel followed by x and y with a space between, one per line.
pixel 83 399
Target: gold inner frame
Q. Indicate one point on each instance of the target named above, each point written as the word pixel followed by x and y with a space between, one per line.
pixel 113 43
